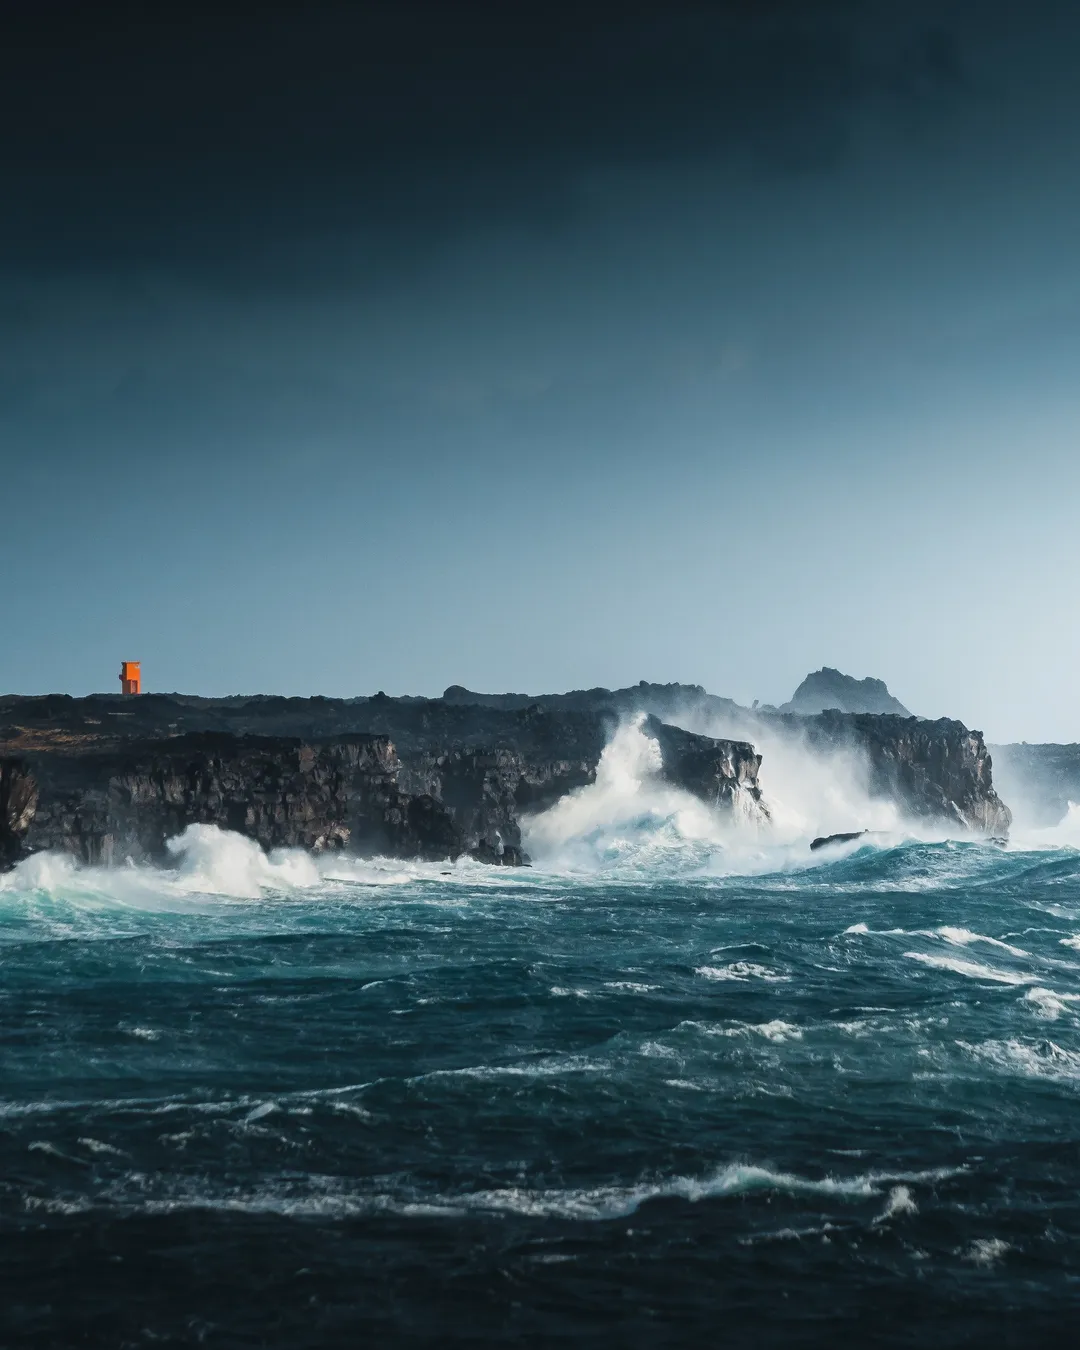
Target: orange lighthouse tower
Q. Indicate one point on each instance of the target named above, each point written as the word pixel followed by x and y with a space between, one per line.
pixel 130 678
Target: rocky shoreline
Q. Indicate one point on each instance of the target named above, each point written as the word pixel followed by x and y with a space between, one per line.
pixel 106 778
pixel 104 789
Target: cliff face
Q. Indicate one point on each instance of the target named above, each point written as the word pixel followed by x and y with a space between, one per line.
pixel 723 773
pixel 104 798
pixel 935 771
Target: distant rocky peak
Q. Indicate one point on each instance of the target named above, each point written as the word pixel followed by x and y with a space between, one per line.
pixel 828 688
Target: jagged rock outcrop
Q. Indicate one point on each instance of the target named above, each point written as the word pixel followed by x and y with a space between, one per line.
pixel 829 688
pixel 719 772
pixel 105 793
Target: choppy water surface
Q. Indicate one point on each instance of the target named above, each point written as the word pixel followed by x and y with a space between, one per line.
pixel 645 1105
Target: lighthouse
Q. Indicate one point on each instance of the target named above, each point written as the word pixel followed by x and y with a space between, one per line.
pixel 130 678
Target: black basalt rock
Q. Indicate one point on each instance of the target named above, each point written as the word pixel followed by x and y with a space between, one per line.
pixel 716 771
pixel 824 840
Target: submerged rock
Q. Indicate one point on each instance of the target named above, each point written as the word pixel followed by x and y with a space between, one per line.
pixel 823 840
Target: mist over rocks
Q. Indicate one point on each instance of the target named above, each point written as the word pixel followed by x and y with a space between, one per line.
pixel 937 771
pixel 1044 780
pixel 828 688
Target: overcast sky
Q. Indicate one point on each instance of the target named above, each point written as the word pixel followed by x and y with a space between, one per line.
pixel 541 346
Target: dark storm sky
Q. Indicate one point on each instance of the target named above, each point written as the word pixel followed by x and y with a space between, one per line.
pixel 532 346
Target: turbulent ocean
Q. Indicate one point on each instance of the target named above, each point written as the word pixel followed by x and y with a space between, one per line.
pixel 670 1085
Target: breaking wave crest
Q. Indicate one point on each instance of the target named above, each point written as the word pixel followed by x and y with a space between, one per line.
pixel 206 862
pixel 629 816
pixel 334 1197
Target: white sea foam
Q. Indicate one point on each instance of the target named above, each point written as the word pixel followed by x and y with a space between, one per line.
pixel 955 937
pixel 657 1050
pixel 777 1031
pixel 741 971
pixel 1049 1004
pixel 1044 1059
pixel 986 1251
pixel 317 1195
pixel 99 1146
pixel 864 930
pixel 50 872
pixel 210 864
pixel 52 1205
pixel 973 969
pixel 43 1146
pixel 222 862
pixel 615 1202
pixel 552 1067
pixel 963 937
pixel 900 1202
pixel 818 1230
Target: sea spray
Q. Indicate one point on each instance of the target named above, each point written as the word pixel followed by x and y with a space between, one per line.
pixel 811 789
pixel 629 813
pixel 629 817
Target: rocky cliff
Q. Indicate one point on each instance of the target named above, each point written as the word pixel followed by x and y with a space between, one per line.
pixel 107 778
pixel 97 778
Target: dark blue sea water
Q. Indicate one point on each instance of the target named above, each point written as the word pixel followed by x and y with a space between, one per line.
pixel 835 1102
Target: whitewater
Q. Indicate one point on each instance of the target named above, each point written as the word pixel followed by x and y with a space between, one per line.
pixel 680 1078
